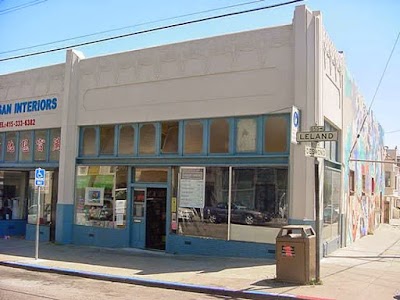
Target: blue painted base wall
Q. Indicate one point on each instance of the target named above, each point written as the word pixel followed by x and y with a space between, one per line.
pixel 100 237
pixel 178 244
pixel 44 233
pixel 65 219
pixel 12 228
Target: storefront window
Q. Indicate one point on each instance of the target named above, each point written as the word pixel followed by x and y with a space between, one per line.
pixel 89 141
pixel 275 134
pixel 107 133
pixel 40 145
pixel 258 206
pixel 246 135
pixel 147 139
pixel 101 196
pixel 126 140
pixel 11 146
pixel 219 136
pixel 193 137
pixel 13 195
pixel 55 146
pixel 331 210
pixel 25 145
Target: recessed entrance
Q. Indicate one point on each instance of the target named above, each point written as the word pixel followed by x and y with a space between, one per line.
pixel 155 218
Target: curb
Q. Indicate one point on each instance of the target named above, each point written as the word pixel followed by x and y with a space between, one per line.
pixel 158 283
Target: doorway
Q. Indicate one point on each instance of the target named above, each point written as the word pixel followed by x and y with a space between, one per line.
pixel 149 217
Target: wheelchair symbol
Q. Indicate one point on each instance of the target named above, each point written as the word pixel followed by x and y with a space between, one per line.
pixel 39 173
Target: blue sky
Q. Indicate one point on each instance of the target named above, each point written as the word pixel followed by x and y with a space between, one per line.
pixel 364 29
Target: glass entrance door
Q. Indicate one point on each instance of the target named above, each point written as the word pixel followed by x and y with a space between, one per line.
pixel 148 217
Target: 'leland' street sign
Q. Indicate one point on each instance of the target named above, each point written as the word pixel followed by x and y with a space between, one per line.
pixel 315 152
pixel 317 136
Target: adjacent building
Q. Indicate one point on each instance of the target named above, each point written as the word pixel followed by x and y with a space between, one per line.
pixel 190 148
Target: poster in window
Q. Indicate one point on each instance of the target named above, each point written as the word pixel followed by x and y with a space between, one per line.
pixel 192 187
pixel 94 196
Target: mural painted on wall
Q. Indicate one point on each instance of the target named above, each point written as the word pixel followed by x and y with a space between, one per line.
pixel 362 204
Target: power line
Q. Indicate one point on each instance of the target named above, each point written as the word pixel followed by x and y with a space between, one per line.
pixel 376 91
pixel 21 6
pixel 398 130
pixel 151 30
pixel 131 26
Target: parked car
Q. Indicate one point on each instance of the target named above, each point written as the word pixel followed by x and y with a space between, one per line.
pixel 239 214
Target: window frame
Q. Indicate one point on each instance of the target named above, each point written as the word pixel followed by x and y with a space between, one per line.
pixel 96 142
pixel 204 136
pixel 230 121
pixel 135 139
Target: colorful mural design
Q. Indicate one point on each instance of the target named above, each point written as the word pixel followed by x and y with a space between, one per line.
pixel 363 204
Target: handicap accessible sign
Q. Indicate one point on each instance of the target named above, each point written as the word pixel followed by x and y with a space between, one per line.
pixel 40 177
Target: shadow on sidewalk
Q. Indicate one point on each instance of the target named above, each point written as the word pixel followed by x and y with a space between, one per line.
pixel 140 262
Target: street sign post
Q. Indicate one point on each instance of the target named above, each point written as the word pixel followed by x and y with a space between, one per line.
pixel 40 181
pixel 314 136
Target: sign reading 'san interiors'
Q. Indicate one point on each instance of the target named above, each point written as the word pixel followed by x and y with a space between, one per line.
pixel 28 106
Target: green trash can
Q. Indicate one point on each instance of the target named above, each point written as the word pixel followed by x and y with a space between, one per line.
pixel 295 254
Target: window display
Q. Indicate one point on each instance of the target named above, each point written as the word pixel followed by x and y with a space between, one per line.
pixel 101 196
pixel 257 205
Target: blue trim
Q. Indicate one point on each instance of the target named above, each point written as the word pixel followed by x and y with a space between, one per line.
pixel 29 165
pixel 44 233
pixel 12 227
pixel 65 219
pixel 178 244
pixel 100 237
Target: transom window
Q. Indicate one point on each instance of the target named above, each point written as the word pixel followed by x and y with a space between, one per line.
pixel 253 135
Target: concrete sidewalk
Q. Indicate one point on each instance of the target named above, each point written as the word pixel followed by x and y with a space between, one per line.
pixel 368 269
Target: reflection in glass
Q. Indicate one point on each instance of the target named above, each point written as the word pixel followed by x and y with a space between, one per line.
pixel 126 140
pixel 219 136
pixel 169 137
pixel 46 196
pixel 147 139
pixel 89 141
pixel 276 133
pixel 110 185
pixel 331 211
pixel 193 137
pixel 107 133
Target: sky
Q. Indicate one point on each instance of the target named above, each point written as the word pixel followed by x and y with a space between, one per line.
pixel 365 30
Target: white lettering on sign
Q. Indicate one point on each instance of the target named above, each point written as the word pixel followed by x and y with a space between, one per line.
pixel 315 152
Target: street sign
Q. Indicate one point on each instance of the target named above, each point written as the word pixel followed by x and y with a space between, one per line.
pixel 40 177
pixel 315 152
pixel 295 124
pixel 317 136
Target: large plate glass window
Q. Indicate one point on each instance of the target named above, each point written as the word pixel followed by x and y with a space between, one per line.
pixel 219 136
pixel 126 140
pixel 331 209
pixel 55 144
pixel 46 195
pixel 107 134
pixel 169 138
pixel 276 134
pixel 147 139
pixel 25 146
pixel 246 135
pixel 193 137
pixel 88 141
pixel 11 146
pixel 13 195
pixel 101 196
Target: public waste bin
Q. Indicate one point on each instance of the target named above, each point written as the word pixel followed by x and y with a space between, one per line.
pixel 295 254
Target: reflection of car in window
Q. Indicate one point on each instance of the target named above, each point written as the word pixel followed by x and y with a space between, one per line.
pixel 239 214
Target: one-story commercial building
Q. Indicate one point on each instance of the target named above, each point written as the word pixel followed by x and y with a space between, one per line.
pixel 191 148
